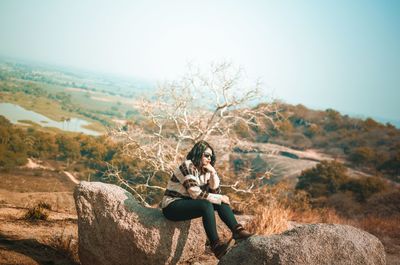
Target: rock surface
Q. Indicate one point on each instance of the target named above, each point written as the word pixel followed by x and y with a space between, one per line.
pixel 310 244
pixel 115 229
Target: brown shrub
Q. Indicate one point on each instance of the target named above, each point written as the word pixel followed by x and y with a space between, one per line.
pixel 36 213
pixel 384 204
pixel 270 220
pixel 344 203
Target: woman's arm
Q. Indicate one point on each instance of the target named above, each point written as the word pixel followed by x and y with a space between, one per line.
pixel 186 176
pixel 213 182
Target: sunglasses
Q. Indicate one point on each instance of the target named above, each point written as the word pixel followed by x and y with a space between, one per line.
pixel 207 155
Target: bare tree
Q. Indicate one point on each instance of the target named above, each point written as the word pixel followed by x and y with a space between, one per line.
pixel 200 106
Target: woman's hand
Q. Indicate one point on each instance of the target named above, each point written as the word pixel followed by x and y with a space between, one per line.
pixel 225 199
pixel 209 168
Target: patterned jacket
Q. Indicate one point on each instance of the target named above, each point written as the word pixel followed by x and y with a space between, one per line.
pixel 188 182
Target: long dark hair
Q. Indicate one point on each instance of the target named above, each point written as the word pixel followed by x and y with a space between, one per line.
pixel 197 153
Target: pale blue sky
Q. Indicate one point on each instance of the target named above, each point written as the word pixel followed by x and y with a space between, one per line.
pixel 341 54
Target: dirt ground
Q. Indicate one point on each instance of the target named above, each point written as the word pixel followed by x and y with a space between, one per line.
pixel 41 242
pixel 23 242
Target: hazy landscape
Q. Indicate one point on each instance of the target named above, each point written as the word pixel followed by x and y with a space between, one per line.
pixel 313 165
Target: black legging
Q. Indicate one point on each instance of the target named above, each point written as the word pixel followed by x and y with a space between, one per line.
pixel 186 209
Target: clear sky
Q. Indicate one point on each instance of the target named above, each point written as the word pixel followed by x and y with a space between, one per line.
pixel 341 54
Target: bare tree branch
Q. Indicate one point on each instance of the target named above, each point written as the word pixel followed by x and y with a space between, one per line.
pixel 200 106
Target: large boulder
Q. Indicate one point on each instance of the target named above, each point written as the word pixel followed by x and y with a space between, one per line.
pixel 115 229
pixel 310 244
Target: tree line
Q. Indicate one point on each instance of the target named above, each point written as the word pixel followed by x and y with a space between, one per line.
pixel 76 151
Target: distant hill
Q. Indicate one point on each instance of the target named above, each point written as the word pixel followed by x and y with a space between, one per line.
pixel 364 143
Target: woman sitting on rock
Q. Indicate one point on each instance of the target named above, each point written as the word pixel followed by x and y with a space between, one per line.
pixel 193 191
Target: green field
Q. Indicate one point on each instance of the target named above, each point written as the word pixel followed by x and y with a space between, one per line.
pixel 60 93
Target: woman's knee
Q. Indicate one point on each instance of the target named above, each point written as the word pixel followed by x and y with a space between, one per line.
pixel 206 206
pixel 222 206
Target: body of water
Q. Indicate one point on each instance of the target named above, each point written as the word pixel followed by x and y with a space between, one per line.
pixel 15 113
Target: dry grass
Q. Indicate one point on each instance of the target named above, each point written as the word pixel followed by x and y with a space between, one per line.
pixel 36 213
pixel 67 244
pixel 269 220
pixel 274 209
pixel 321 215
pixel 275 219
pixel 381 226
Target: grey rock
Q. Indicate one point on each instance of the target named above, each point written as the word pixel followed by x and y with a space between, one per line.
pixel 310 244
pixel 114 229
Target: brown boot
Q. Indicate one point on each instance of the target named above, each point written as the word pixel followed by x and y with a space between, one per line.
pixel 220 248
pixel 240 233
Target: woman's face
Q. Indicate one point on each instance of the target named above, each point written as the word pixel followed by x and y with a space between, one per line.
pixel 206 158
